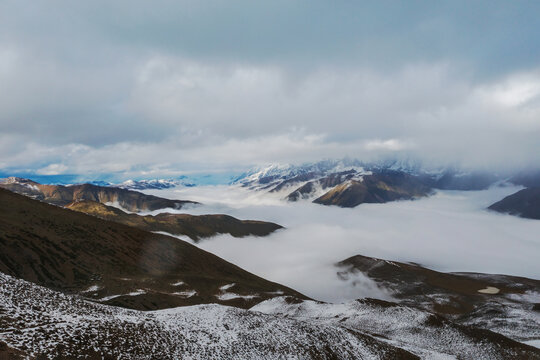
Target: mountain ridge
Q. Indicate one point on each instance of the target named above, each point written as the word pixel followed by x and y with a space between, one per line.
pixel 194 226
pixel 62 195
pixel 117 264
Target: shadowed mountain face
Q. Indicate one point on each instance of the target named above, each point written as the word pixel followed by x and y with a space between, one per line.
pixel 527 178
pixel 525 203
pixel 450 180
pixel 377 188
pixel 63 195
pixel 117 264
pixel 469 298
pixel 195 227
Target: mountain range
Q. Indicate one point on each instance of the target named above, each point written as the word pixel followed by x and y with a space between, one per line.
pixel 73 286
pixel 62 195
pixel 349 183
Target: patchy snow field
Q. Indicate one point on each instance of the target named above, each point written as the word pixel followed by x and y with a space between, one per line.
pixel 38 321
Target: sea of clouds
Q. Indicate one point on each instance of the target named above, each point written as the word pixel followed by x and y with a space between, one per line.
pixel 449 231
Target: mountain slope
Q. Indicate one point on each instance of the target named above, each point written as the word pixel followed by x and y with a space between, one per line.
pixel 525 203
pixel 41 321
pixel 498 302
pixel 376 188
pixel 63 195
pixel 195 227
pixel 68 327
pixel 425 334
pixel 117 264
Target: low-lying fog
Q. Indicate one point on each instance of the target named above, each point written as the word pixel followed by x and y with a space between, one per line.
pixel 449 231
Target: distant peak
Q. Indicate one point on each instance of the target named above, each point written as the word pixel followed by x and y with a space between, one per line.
pixel 16 180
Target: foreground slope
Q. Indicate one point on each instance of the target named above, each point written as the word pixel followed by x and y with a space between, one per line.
pixel 195 227
pixel 524 203
pixel 509 305
pixel 117 264
pixel 425 334
pixel 40 321
pixel 63 195
pixel 36 320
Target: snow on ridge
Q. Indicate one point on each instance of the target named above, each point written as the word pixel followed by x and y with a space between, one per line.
pixel 149 184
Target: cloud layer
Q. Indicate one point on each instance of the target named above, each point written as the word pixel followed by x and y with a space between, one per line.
pixel 138 88
pixel 450 231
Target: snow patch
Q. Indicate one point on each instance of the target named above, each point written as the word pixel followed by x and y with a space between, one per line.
pixel 185 294
pixel 229 296
pixel 489 290
pixel 226 287
pixel 92 288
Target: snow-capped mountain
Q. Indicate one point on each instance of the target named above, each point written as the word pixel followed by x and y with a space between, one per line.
pixel 349 182
pixel 151 184
pixel 63 195
pixel 267 176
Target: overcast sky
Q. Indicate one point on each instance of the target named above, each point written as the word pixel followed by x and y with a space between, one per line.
pixel 166 87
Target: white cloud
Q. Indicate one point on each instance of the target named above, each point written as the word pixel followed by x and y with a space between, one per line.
pixel 450 231
pixel 390 144
pixel 52 169
pixel 516 90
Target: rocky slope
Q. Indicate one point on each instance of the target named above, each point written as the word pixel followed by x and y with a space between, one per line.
pixel 38 321
pixel 63 195
pixel 524 203
pixel 427 335
pixel 196 227
pixel 117 264
pixel 509 305
pixel 377 188
pixel 70 327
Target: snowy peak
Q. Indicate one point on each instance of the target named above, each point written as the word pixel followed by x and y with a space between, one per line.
pixel 150 184
pixel 16 180
pixel 271 176
pixel 310 178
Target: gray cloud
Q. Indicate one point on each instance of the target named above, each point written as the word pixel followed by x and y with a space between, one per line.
pixel 172 86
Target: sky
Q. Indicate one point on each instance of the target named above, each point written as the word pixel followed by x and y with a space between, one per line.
pixel 448 231
pixel 164 88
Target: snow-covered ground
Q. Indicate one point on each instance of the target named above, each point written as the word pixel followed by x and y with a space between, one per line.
pixel 449 231
pixel 37 321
